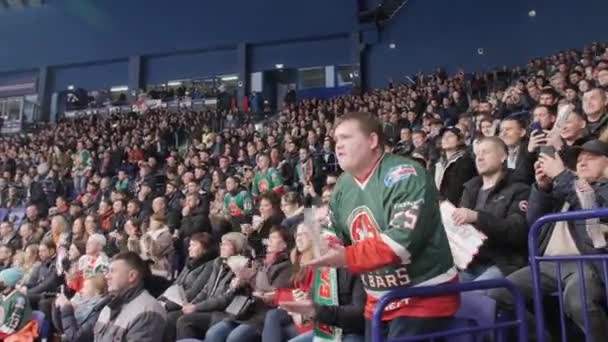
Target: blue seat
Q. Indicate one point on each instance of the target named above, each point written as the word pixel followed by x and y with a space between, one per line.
pixel 43 325
pixel 459 322
pixel 477 307
pixel 3 214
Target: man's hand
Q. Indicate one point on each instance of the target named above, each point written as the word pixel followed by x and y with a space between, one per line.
pixel 537 140
pixel 542 181
pixel 305 308
pixel 246 229
pixel 554 139
pixel 62 301
pixel 334 257
pixel 188 309
pixel 552 167
pixel 464 216
pixel 266 297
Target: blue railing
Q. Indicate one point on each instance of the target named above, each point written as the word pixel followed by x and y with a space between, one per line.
pixel 519 323
pixel 536 259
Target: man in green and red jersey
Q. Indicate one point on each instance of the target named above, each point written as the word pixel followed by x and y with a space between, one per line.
pixel 385 209
pixel 266 179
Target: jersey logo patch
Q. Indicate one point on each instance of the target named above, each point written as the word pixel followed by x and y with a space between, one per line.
pixel 263 186
pixel 406 214
pixel 363 225
pixel 398 173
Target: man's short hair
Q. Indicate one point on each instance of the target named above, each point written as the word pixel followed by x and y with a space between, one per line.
pixel 49 243
pixel 419 131
pixel 516 119
pixel 550 91
pixel 368 123
pixel 135 262
pixel 552 110
pixel 497 142
pixel 136 202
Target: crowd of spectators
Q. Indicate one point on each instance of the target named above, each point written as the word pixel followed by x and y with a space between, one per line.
pixel 177 197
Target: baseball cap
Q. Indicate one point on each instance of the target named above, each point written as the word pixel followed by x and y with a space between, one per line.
pixel 596 147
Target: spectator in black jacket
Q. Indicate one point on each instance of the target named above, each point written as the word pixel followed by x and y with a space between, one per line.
pixel 195 217
pixel 495 204
pixel 594 106
pixel 46 277
pixel 513 133
pixel 202 311
pixel 9 236
pixel 555 191
pixel 270 215
pixel 192 279
pixel 34 194
pixel 456 166
pixel 159 207
pixel 174 197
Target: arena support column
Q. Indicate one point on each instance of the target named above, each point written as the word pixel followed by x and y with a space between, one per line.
pixel 44 95
pixel 134 77
pixel 243 73
pixel 355 49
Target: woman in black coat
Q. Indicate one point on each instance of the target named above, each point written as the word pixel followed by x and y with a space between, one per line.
pixel 270 215
pixel 197 270
pixel 455 167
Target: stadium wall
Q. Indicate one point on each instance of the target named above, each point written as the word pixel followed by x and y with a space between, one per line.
pixel 431 33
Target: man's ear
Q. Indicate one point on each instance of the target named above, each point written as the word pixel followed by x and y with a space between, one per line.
pixel 374 140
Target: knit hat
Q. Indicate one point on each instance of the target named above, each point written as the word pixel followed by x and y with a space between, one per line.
pixel 100 239
pixel 238 240
pixel 11 276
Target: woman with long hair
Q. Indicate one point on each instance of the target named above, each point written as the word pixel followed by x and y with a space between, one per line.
pixel 31 261
pixel 278 324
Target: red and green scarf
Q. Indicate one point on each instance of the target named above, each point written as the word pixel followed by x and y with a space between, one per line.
pixel 325 292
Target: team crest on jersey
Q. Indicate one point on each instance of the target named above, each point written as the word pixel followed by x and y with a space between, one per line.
pixel 363 225
pixel 235 211
pixel 398 173
pixel 263 186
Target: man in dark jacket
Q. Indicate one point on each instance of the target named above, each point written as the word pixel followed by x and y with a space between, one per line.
pixel 195 217
pixel 556 190
pixel 594 106
pixel 9 236
pixel 495 204
pixel 35 194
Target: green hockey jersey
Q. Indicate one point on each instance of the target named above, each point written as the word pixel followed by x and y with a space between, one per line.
pixel 270 180
pixel 392 227
pixel 239 205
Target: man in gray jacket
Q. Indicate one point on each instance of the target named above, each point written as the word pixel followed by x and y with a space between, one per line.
pixel 132 314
